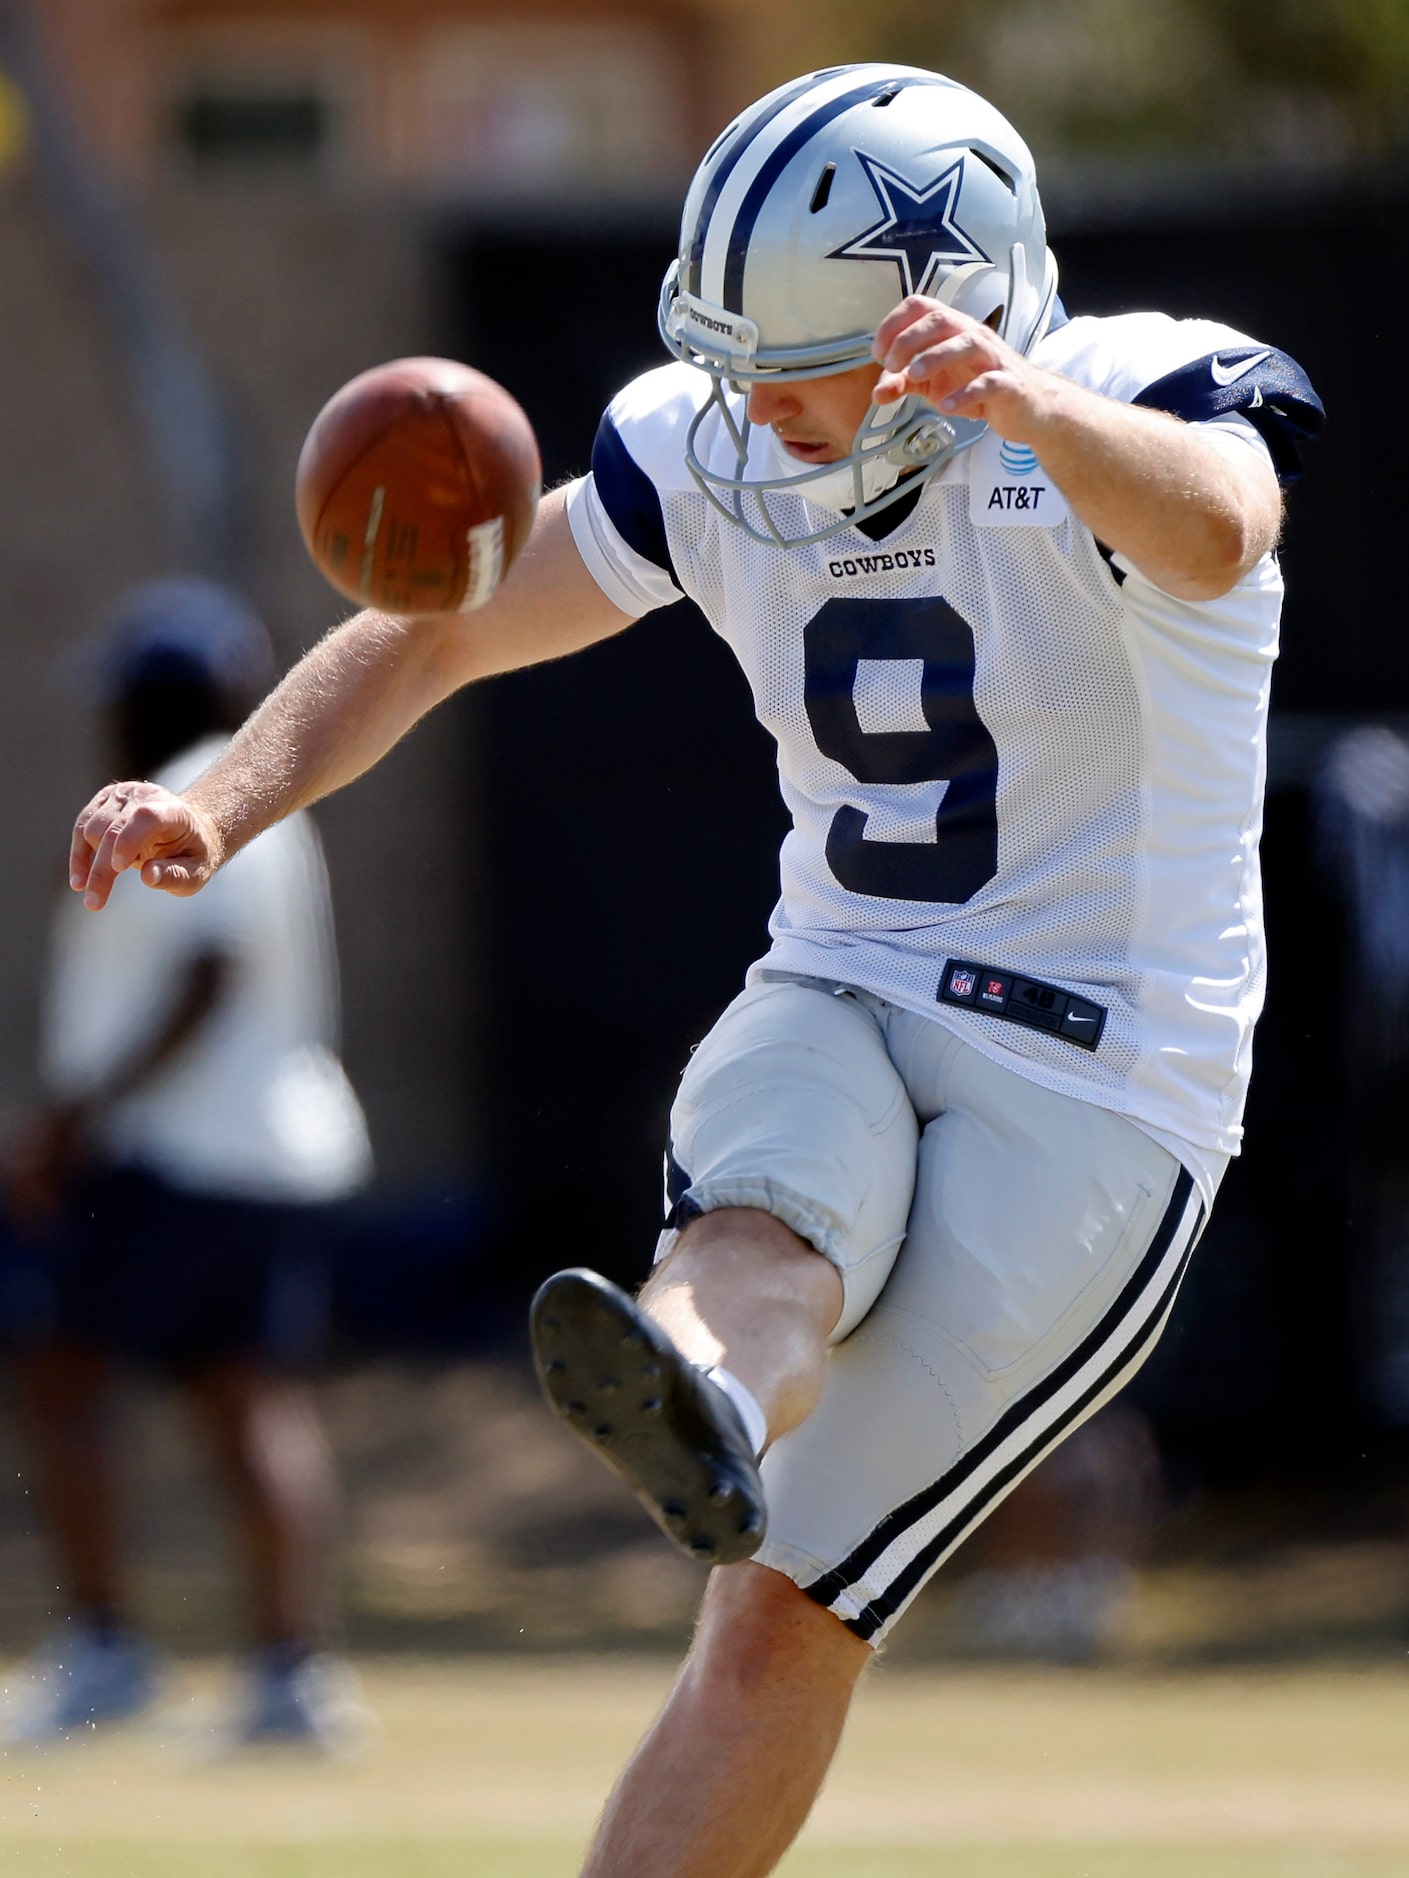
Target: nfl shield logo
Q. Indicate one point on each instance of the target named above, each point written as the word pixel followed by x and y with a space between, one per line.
pixel 961 983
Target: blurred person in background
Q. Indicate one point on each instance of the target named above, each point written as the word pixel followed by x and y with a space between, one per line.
pixel 166 1204
pixel 1361 806
pixel 1056 1565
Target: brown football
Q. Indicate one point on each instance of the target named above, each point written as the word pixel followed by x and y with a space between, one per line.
pixel 416 486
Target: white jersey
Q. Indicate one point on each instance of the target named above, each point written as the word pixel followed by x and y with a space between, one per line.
pixel 256 1106
pixel 1015 768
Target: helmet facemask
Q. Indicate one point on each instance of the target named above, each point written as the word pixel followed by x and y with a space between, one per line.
pixel 894 443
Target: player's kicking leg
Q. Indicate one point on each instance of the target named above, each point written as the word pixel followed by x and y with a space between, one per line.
pixel 795 1144
pixel 680 1392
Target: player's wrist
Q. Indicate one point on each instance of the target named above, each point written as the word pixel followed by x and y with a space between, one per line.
pixel 212 824
pixel 1042 410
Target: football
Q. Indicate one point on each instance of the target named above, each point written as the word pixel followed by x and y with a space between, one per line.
pixel 416 487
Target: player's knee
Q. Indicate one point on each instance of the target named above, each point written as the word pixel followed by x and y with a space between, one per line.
pixel 758 1630
pixel 741 1246
pixel 740 1232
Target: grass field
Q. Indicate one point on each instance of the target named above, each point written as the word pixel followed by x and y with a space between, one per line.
pixel 487 1768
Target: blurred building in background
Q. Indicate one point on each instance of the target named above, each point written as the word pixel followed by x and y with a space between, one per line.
pixel 431 96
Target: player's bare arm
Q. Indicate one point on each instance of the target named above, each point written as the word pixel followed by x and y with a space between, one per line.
pixel 1192 515
pixel 340 709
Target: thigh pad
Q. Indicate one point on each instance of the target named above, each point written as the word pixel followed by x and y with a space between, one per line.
pixel 792 1105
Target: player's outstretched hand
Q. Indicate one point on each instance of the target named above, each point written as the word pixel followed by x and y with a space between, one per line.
pixel 960 366
pixel 172 844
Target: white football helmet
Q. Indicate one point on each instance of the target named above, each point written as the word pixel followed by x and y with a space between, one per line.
pixel 811 217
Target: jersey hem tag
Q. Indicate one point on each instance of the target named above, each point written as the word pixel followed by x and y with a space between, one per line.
pixel 1021 1000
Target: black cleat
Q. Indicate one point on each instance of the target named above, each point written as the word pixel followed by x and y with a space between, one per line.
pixel 675 1438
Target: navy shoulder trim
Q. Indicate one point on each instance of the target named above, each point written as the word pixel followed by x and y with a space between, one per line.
pixel 1265 386
pixel 630 498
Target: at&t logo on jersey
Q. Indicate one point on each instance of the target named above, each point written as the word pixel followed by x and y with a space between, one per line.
pixel 1007 487
pixel 1017 460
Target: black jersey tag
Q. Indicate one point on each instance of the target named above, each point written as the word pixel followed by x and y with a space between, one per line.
pixel 1023 1001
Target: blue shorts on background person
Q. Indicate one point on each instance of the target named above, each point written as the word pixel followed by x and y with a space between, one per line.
pixel 170 1280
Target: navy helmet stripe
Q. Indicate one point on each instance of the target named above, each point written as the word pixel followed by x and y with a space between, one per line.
pixel 797 139
pixel 885 1533
pixel 630 498
pixel 888 1603
pixel 725 169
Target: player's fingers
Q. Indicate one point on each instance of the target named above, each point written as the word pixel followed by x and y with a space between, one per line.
pixel 91 825
pixel 899 382
pixel 134 824
pixel 147 828
pixel 98 883
pixel 932 332
pixel 105 817
pixel 80 853
pixel 913 324
pixel 971 398
pixel 951 361
pixel 908 346
pixel 179 877
pixel 933 372
pixel 894 323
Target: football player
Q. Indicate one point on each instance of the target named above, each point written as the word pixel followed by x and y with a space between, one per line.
pixel 1003 583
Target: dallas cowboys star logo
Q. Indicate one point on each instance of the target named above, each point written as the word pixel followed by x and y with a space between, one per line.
pixel 917 231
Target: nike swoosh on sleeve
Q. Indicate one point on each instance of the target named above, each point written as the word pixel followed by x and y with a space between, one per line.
pixel 1230 374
